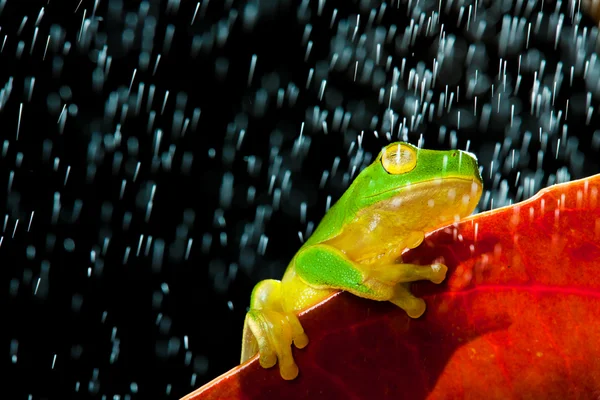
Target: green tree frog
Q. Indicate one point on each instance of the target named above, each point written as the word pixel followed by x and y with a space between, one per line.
pixel 390 206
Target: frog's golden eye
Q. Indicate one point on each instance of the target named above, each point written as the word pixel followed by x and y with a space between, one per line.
pixel 398 159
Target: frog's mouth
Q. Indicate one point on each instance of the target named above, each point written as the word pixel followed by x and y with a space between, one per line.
pixel 433 184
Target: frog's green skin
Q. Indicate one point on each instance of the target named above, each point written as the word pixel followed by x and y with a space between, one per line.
pixel 404 194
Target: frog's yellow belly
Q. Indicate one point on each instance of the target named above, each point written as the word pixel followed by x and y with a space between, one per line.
pixel 382 246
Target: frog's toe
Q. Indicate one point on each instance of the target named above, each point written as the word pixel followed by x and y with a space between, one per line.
pixel 414 307
pixel 438 273
pixel 267 358
pixel 301 341
pixel 288 371
pixel 403 298
pixel 260 326
pixel 287 367
pixel 400 273
pixel 298 336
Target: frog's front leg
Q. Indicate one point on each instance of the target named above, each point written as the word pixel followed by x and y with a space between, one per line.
pixel 326 266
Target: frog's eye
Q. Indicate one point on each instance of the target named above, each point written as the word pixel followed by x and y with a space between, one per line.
pixel 398 159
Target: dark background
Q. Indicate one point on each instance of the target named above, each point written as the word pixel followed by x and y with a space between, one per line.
pixel 133 231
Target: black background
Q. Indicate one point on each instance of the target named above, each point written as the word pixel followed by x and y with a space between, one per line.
pixel 81 322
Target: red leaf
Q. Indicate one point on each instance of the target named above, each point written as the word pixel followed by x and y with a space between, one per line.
pixel 517 317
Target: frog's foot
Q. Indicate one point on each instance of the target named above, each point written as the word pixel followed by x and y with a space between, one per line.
pixel 392 283
pixel 274 332
pixel 399 273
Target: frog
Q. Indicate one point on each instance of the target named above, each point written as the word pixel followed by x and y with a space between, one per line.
pixel 390 206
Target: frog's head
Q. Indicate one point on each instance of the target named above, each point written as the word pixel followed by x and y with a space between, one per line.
pixel 425 189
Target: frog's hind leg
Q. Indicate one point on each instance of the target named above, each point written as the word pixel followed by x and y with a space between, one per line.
pixel 271 331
